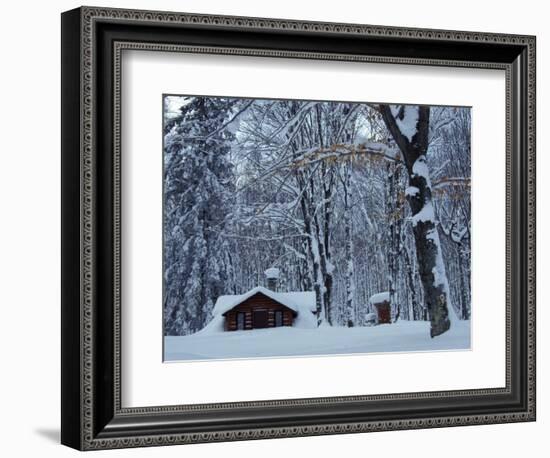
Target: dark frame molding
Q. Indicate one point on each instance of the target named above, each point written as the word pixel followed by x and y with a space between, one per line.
pixel 93 40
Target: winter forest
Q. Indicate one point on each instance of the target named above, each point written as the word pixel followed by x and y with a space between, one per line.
pixel 348 201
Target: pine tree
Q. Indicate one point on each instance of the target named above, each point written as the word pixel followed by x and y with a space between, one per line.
pixel 197 189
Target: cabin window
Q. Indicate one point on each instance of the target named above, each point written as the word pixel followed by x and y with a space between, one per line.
pixel 278 318
pixel 240 321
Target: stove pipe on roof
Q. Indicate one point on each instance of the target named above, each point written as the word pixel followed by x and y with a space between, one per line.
pixel 272 275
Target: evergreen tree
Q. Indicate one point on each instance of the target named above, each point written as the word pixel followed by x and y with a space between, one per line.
pixel 197 188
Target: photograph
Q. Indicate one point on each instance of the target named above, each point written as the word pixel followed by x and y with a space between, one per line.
pixel 314 227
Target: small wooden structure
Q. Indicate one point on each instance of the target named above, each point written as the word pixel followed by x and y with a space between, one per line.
pixel 381 303
pixel 264 308
pixel 258 311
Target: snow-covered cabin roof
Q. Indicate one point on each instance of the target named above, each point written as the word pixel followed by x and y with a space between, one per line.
pixel 380 297
pixel 298 301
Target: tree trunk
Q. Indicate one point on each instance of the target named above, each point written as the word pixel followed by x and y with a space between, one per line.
pixel 411 289
pixel 463 287
pixel 313 251
pixel 430 264
pixel 393 236
pixel 350 313
pixel 428 248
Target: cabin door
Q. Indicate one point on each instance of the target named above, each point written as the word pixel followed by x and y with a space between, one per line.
pixel 259 319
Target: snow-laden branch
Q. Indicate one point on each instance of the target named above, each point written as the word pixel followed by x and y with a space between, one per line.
pixel 437 171
pixel 344 151
pixel 437 125
pixel 232 119
pixel 346 120
pixel 451 181
pixel 282 130
pixel 296 253
pixel 453 232
pixel 255 238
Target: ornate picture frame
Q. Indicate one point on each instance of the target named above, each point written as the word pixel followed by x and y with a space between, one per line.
pixel 93 416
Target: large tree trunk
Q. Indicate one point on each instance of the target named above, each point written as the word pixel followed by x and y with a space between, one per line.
pixel 413 144
pixel 430 261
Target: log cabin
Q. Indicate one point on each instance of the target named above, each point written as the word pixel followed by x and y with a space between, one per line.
pixel 263 308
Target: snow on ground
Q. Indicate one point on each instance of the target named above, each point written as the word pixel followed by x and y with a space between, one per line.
pixel 402 336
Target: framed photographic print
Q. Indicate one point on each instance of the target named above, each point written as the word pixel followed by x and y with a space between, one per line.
pixel 277 228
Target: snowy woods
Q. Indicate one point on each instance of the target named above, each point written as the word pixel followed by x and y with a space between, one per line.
pixel 346 199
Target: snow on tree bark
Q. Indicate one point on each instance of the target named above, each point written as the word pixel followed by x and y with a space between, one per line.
pixel 350 311
pixel 409 126
pixel 394 222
